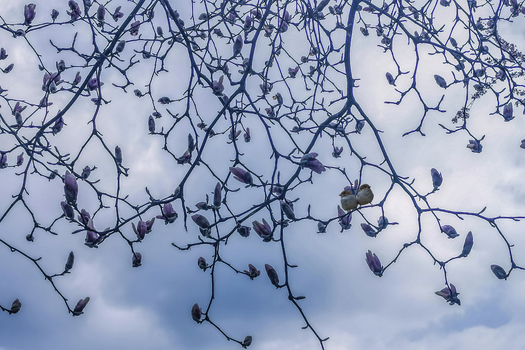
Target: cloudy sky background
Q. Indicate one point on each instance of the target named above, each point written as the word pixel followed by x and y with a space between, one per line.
pixel 149 307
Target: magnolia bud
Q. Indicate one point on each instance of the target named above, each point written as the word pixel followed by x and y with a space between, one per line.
pixel 79 308
pixel 15 307
pixel 272 275
pixel 196 313
pixel 69 262
pixel 467 246
pixel 136 260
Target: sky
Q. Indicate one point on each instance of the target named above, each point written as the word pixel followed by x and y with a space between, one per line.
pixel 149 307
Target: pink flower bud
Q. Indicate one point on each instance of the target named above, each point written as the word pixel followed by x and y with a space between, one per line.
pixel 68 210
pixel 263 230
pixel 237 46
pixel 196 313
pixel 70 261
pixel 374 263
pixel 136 260
pixel 449 231
pixel 201 221
pixel 244 231
pixel 252 272
pixel 168 214
pixel 241 175
pixel 449 294
pixel 79 308
pixel 29 13
pixel 70 188
pixel 272 275
pixel 467 246
pixel 499 272
pixel 202 263
pixel 15 307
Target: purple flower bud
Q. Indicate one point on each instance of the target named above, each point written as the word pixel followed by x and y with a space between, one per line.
pixel 118 155
pixel 29 13
pixel 217 195
pixel 120 46
pixel 475 146
pixel 359 125
pixel 196 313
pixel 134 30
pixel 165 100
pixel 508 112
pixel 437 178
pixel 390 78
pixel 440 81
pixel 101 13
pixel 140 230
pixel 168 214
pixel 54 14
pixel 370 232
pixel 201 221
pixel 78 78
pixel 75 12
pixel 321 228
pixel 444 3
pixel 279 98
pixel 70 261
pixel 237 46
pixel 247 341
pixel 232 17
pixel 450 295
pixel 136 259
pixel 70 188
pixel 15 307
pixel 244 231
pixel 345 219
pixel 84 217
pixel 467 246
pixel 202 264
pixel 241 175
pixel 9 68
pixel 272 274
pixel 217 86
pixel 149 225
pixel 287 208
pixel 3 54
pixel 500 75
pixel 61 66
pixel 247 23
pixel 151 124
pixel 382 223
pixel 309 161
pixel 91 235
pixel 450 231
pixel 252 272
pixel 292 72
pixel 283 23
pixel 85 172
pixel 117 14
pixel 59 124
pixel 79 308
pixel 263 230
pixel 68 210
pixel 522 144
pixel 3 160
pixel 93 84
pixel 247 136
pixel 499 272
pixel 374 263
pixel 337 152
pixel 20 159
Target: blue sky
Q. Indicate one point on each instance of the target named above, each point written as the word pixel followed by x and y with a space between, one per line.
pixel 149 307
